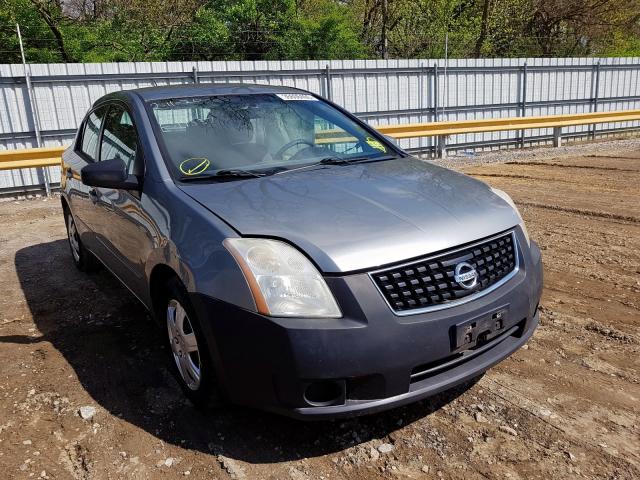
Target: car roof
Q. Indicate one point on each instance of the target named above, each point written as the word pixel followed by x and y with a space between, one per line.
pixel 203 89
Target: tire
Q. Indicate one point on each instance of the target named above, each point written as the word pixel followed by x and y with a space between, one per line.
pixel 188 350
pixel 82 258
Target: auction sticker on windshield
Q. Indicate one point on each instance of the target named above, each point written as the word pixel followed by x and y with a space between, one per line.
pixel 295 97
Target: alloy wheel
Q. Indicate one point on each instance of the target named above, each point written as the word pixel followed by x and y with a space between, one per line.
pixel 184 344
pixel 74 241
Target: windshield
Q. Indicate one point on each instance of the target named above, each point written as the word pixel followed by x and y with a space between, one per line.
pixel 258 133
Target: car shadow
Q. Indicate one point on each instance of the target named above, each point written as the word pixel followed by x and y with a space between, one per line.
pixel 120 359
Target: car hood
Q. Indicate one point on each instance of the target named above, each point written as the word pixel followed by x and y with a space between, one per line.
pixel 361 216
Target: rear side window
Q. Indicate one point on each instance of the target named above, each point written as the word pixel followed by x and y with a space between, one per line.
pixel 91 133
pixel 119 138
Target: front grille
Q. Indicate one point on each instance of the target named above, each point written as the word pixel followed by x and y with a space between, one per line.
pixel 429 283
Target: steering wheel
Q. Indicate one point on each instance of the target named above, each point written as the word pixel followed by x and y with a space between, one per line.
pixel 291 144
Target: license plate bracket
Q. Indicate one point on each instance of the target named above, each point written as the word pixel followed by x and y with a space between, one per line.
pixel 479 330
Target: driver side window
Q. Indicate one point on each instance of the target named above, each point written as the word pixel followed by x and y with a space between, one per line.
pixel 120 139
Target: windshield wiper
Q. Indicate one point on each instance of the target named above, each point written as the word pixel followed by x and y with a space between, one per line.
pixel 369 159
pixel 237 172
pixel 220 174
pixel 336 161
pixel 324 161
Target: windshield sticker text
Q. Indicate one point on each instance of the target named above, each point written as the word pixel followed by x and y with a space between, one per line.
pixel 288 97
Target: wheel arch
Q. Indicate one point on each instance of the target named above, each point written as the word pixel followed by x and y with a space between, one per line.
pixel 65 204
pixel 160 275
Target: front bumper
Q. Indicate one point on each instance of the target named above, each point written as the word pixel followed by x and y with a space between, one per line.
pixel 374 359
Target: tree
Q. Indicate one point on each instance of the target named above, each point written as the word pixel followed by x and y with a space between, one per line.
pixel 319 29
pixel 51 13
pixel 141 30
pixel 569 27
pixel 484 26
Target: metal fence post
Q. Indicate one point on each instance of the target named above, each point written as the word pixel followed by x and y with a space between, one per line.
pixel 327 79
pixel 557 136
pixel 33 109
pixel 436 88
pixel 441 147
pixel 421 83
pixel 594 99
pixel 523 101
pixel 194 71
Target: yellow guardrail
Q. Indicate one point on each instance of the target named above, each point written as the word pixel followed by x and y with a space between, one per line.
pixel 48 157
pixel 31 157
pixel 501 124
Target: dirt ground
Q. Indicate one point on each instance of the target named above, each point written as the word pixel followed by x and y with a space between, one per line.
pixel 565 406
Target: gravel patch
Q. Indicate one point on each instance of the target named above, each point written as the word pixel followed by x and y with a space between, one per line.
pixel 460 160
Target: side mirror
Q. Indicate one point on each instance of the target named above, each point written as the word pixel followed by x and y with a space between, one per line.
pixel 109 174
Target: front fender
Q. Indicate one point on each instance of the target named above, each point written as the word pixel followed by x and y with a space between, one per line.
pixel 190 243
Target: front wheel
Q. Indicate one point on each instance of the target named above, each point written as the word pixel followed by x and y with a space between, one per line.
pixel 82 258
pixel 188 347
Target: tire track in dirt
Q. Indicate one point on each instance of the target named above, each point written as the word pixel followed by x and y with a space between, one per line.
pixel 581 212
pixel 583 167
pixel 616 157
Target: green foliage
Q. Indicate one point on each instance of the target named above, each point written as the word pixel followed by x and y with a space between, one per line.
pixel 324 29
pixel 148 30
pixel 207 38
pixel 38 39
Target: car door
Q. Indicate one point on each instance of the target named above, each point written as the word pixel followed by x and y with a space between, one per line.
pixel 122 227
pixel 81 197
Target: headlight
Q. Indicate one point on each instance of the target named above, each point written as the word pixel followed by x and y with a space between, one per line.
pixel 284 283
pixel 503 195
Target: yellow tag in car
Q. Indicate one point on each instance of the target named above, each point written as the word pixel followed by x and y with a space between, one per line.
pixel 373 143
pixel 194 166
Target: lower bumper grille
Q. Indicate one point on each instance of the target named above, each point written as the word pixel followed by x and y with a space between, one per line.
pixel 440 280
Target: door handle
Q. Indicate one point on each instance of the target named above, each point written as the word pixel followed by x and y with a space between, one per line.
pixel 93 195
